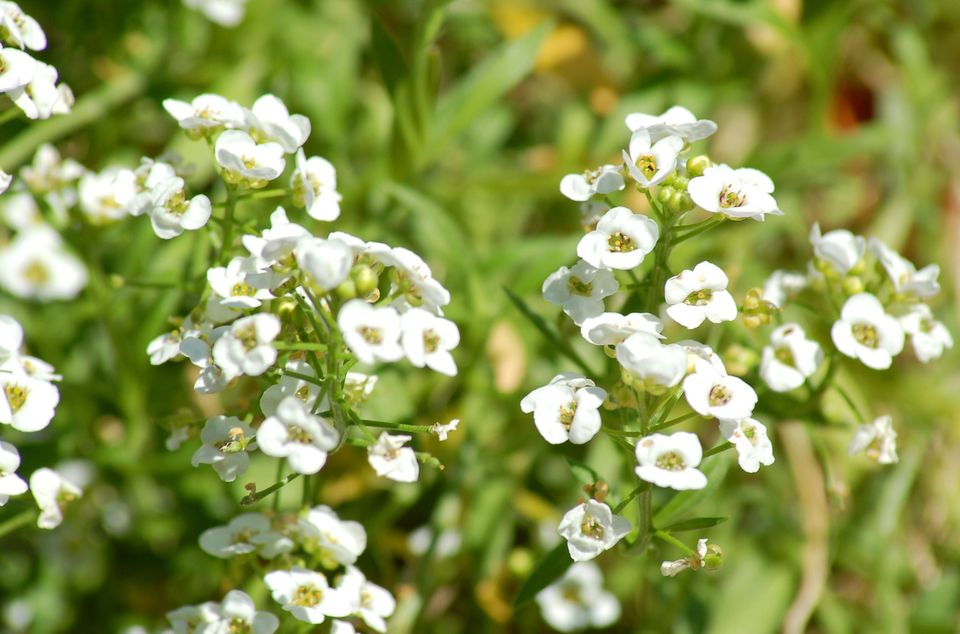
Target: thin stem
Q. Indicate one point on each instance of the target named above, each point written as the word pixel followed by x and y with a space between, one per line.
pixel 670 539
pixel 644 486
pixel 674 421
pixel 9 115
pixel 300 345
pixel 303 377
pixel 259 495
pixel 718 449
pixel 398 426
pixel 849 401
pixel 276 498
pixel 264 193
pixel 17 521
pixel 700 227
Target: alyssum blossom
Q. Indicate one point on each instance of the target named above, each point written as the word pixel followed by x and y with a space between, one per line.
pixel 52 493
pixel 582 187
pixel 307 595
pixel 928 336
pixel 304 439
pixel 790 359
pixel 591 528
pixel 693 296
pixel 676 121
pixel 621 240
pixel 650 365
pixel 563 411
pixel 712 393
pixel 578 601
pixel 671 461
pixel 580 290
pixel 650 161
pixel 877 440
pixel 226 441
pixel 749 438
pixel 866 332
pixel 391 459
pixel 736 194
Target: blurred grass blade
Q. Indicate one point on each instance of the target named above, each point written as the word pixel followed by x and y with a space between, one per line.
pixel 483 86
pixel 548 570
pixel 693 524
pixel 562 346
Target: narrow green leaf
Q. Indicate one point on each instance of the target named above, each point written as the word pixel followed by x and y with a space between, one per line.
pixel 562 346
pixel 548 570
pixel 693 524
pixel 388 55
pixel 583 472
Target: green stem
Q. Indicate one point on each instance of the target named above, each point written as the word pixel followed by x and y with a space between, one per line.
pixel 849 401
pixel 670 539
pixel 645 486
pixel 17 521
pixel 718 449
pixel 228 222
pixel 398 426
pixel 673 421
pixel 303 377
pixel 276 498
pixel 9 115
pixel 300 345
pixel 696 229
pixel 259 495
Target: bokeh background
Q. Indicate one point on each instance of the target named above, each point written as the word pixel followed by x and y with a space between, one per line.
pixel 451 124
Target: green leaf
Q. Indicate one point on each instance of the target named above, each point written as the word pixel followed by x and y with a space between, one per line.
pixel 562 346
pixel 388 55
pixel 685 501
pixel 483 86
pixel 693 524
pixel 548 570
pixel 583 473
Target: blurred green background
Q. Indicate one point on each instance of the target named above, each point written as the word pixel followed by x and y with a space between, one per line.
pixel 451 124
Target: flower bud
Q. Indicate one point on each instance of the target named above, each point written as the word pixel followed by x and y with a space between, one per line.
pixel 696 165
pixel 665 194
pixel 346 290
pixel 714 557
pixel 365 279
pixel 680 202
pixel 852 285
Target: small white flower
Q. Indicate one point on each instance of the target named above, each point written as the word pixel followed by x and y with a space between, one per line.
pixel 390 459
pixel 205 114
pixel 840 249
pixel 906 279
pixel 11 338
pixel 276 245
pixel 693 562
pixel 671 461
pixel 372 334
pixel 10 483
pixel 790 359
pixel 711 393
pixel 877 439
pixel 306 391
pixel 693 296
pixel 314 185
pixel 173 213
pixel 341 541
pixel 304 439
pixel 414 277
pixel 781 285
pixel 591 528
pixel 232 284
pixel 677 121
pixel 36 265
pixel 27 403
pixel 328 262
pixel 245 160
pixel 240 536
pixel 16 69
pixel 749 438
pixel 40 97
pixel 107 196
pixel 609 329
pixel 737 194
pixel 650 161
pixel 653 365
pixel 52 493
pixel 306 595
pixel 342 627
pixel 563 412
pixel 246 348
pixel 866 332
pixel 194 619
pixel 269 120
pixel 441 430
pixel 696 350
pixel 580 290
pixel 226 441
pixel 928 336
pixel 53 178
pixel 621 240
pixel 528 404
pixel 21 29
pixel 582 187
pixel 427 340
pixel 370 602
pixel 238 613
pixel 577 600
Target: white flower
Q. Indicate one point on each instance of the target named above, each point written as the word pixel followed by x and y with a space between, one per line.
pixel 291 386
pixel 427 340
pixel 650 161
pixel 878 439
pixel 928 336
pixel 441 430
pixel 226 440
pixel 591 528
pixel 781 285
pixel 671 461
pixel 372 334
pixel 245 160
pixel 52 493
pixel 905 277
pixel 577 600
pixel 107 196
pixel 36 265
pixel 677 121
pixel 866 332
pixel 206 113
pixel 693 296
pixel 244 534
pixel 839 248
pixel 238 613
pixel 21 29
pixel 11 338
pixel 328 262
pixel 653 365
pixel 54 178
pixel 193 619
pixel 742 193
pixel 10 482
pixel 696 350
pixel 414 278
pixel 232 285
pixel 228 13
pixel 565 412
pixel 749 438
pixel 16 69
pixel 693 562
pixel 314 185
pixel 568 379
pixel 173 212
pixel 609 329
pixel 342 627
pixel 582 187
pixel 341 541
pixel 621 240
pixel 390 459
pixel 40 98
pixel 370 602
pixel 580 290
pixel 269 120
pixel 304 439
pixel 712 393
pixel 306 595
pixel 790 359
pixel 27 403
pixel 246 348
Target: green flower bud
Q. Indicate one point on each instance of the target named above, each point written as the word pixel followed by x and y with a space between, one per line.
pixel 365 279
pixel 714 557
pixel 665 194
pixel 852 285
pixel 696 165
pixel 346 290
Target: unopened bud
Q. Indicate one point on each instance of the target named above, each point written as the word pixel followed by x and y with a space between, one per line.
pixel 696 165
pixel 852 285
pixel 347 290
pixel 665 194
pixel 714 557
pixel 365 279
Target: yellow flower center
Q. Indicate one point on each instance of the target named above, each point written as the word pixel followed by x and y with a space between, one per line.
pixel 866 335
pixel 671 461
